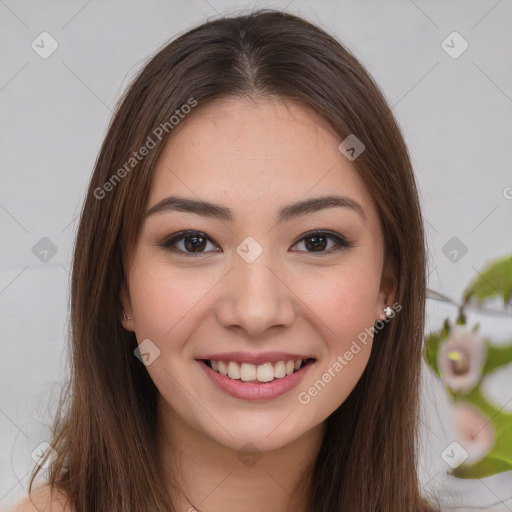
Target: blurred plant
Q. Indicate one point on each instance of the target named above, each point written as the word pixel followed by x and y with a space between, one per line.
pixel 462 358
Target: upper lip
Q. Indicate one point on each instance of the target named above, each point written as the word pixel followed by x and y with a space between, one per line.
pixel 263 357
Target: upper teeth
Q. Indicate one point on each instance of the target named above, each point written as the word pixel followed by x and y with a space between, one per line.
pixel 265 372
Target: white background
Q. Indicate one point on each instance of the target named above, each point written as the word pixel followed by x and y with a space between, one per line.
pixel 455 115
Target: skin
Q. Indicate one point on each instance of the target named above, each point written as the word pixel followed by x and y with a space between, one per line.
pixel 253 156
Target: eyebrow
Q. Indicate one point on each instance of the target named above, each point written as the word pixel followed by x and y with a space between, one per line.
pixel 206 209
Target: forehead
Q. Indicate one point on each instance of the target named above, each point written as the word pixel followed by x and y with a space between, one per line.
pixel 265 152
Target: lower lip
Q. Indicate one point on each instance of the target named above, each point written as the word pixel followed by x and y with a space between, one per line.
pixel 257 390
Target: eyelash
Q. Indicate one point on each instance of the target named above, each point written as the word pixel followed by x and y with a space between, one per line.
pixel 168 244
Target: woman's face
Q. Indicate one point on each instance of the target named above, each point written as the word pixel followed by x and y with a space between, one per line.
pixel 255 284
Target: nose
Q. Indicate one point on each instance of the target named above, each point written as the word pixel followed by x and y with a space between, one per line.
pixel 255 298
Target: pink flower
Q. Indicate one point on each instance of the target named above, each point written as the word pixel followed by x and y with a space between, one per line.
pixel 474 431
pixel 461 358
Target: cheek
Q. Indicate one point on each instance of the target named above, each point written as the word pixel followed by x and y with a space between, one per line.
pixel 343 301
pixel 342 307
pixel 165 300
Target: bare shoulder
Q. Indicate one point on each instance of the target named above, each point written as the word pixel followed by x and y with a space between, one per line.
pixel 43 500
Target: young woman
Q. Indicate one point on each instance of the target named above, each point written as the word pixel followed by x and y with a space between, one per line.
pixel 248 288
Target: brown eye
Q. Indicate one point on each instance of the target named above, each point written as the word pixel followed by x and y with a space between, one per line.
pixel 188 242
pixel 194 243
pixel 318 241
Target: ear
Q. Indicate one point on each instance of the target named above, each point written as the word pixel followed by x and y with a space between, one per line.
pixel 388 288
pixel 126 308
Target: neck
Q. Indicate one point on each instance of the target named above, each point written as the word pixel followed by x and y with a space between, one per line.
pixel 213 477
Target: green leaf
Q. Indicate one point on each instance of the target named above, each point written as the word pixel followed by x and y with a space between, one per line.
pixel 494 280
pixel 497 356
pixel 488 466
pixel 431 350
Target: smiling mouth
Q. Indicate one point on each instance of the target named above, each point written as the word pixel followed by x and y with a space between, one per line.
pixel 262 373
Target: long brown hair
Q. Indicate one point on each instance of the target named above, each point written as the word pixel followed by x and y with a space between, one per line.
pixel 104 431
